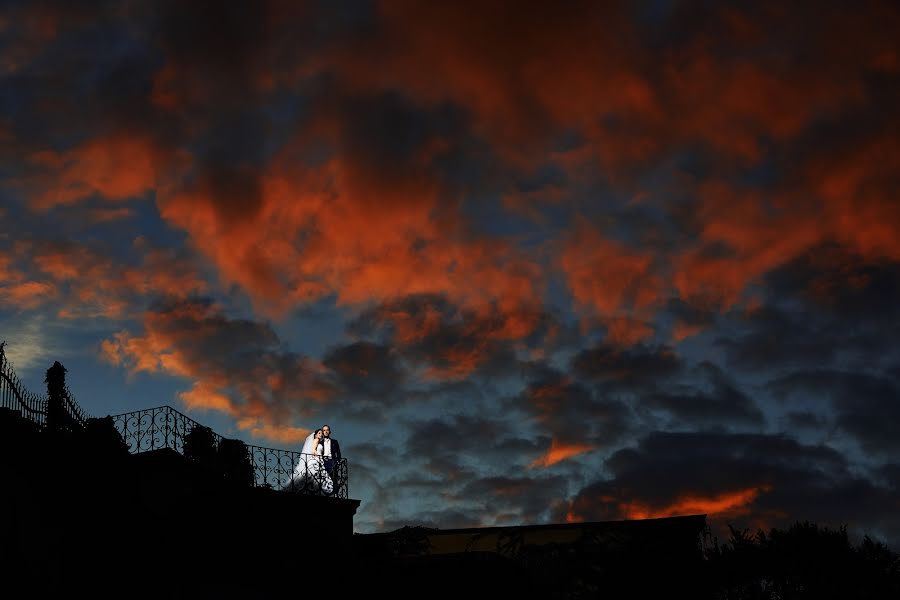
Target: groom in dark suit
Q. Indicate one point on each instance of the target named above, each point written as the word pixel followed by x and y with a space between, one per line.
pixel 331 452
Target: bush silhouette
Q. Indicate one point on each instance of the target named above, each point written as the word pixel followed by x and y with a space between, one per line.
pixel 233 458
pixel 102 437
pixel 226 457
pixel 200 446
pixel 803 561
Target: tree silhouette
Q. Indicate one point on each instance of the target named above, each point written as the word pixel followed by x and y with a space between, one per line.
pixel 804 561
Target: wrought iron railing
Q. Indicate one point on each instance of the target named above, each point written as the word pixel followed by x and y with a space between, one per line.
pixel 35 407
pixel 14 396
pixel 73 410
pixel 164 427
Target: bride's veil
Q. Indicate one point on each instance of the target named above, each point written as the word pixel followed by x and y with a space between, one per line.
pixel 300 469
pixel 309 444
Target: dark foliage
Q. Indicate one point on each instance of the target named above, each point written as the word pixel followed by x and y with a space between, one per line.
pixel 227 458
pixel 200 446
pixel 233 459
pixel 102 437
pixel 803 561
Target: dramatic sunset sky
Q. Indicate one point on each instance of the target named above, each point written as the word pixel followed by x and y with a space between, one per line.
pixel 533 263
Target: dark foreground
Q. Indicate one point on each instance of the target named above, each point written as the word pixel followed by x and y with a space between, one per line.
pixel 78 514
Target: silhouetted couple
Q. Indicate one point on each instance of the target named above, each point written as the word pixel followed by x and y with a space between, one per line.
pixel 318 458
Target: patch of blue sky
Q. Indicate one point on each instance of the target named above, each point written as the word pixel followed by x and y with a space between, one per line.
pixel 32 343
pixel 83 222
pixel 315 328
pixel 152 227
pixel 282 112
pixel 488 216
pixel 97 385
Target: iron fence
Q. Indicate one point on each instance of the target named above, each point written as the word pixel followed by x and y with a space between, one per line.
pixel 14 396
pixel 36 407
pixel 165 427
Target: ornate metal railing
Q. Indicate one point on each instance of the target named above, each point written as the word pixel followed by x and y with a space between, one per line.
pixel 164 427
pixel 34 407
pixel 73 410
pixel 14 396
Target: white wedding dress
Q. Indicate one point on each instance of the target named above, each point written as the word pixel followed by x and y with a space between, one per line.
pixel 310 474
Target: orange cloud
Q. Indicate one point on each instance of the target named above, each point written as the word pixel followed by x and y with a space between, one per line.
pixel 450 341
pixel 736 502
pixel 27 294
pixel 115 168
pixel 606 275
pixel 570 75
pixel 521 75
pixel 276 433
pixel 96 284
pixel 626 331
pixel 197 342
pixel 612 283
pixel 840 196
pixel 858 184
pixel 6 272
pixel 559 452
pixel 205 396
pixel 363 238
pixel 363 229
pixel 682 331
pixel 17 290
pixel 742 238
pixel 572 517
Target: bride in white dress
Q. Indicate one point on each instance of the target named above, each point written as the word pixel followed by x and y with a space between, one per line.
pixel 310 473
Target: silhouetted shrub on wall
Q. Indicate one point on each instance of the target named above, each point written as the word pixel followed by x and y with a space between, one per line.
pixel 228 458
pixel 234 461
pixel 200 446
pixel 101 436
